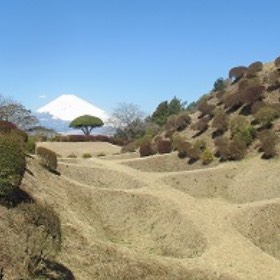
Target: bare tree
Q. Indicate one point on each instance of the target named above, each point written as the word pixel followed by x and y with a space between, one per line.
pixel 15 112
pixel 125 114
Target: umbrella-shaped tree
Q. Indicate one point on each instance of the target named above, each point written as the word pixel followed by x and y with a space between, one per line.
pixel 86 123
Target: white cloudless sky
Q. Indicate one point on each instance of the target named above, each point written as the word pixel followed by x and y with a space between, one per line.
pixel 136 51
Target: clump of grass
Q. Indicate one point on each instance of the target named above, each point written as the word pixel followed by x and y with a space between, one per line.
pixel 72 155
pixel 86 155
pixel 101 154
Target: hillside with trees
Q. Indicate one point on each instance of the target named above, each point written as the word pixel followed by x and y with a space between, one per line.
pixel 238 117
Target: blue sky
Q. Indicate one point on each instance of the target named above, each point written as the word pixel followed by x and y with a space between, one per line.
pixel 136 51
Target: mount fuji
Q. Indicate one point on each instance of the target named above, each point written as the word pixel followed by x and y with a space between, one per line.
pixel 58 113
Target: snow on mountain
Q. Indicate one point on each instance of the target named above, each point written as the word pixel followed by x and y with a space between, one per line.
pixel 68 107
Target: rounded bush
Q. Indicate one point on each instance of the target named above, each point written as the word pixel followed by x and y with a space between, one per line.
pixel 206 157
pixel 252 94
pixel 12 163
pixel 254 68
pixel 183 149
pixel 164 146
pixel 268 140
pixel 48 158
pixel 265 116
pixel 220 122
pixel 277 62
pixel 237 72
pixel 146 150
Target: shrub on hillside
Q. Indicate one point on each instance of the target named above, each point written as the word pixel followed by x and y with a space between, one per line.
pixel 40 231
pixel 241 128
pixel 220 94
pixel 221 122
pixel 237 72
pixel 254 68
pixel 232 101
pixel 146 150
pixel 7 127
pixel 202 125
pixel 252 94
pixel 48 158
pixel 178 122
pixel 277 62
pixel 206 109
pixel 30 146
pixel 273 80
pixel 183 121
pixel 12 163
pixel 222 146
pixel 206 157
pixel 230 149
pixel 183 149
pixel 176 140
pixel 164 146
pixel 237 148
pixel 21 133
pixel 257 106
pixel 194 153
pixel 265 116
pixel 268 140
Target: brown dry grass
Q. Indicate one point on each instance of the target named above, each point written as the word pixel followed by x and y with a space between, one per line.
pixel 120 222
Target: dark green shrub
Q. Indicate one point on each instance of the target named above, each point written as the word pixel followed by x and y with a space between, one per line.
pixel 206 157
pixel 30 146
pixel 164 146
pixel 277 62
pixel 237 72
pixel 48 158
pixel 268 140
pixel 219 84
pixel 254 68
pixel 21 133
pixel 12 163
pixel 265 116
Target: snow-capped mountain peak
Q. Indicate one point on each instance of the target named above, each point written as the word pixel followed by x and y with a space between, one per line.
pixel 67 107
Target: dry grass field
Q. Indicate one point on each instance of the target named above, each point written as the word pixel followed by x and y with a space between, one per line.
pixel 125 218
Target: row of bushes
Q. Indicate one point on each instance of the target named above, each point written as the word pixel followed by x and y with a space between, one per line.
pixel 89 138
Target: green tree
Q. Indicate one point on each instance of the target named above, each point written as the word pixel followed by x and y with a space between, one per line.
pixel 86 123
pixel 160 114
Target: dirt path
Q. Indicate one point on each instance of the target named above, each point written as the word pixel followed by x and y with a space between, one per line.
pixel 227 250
